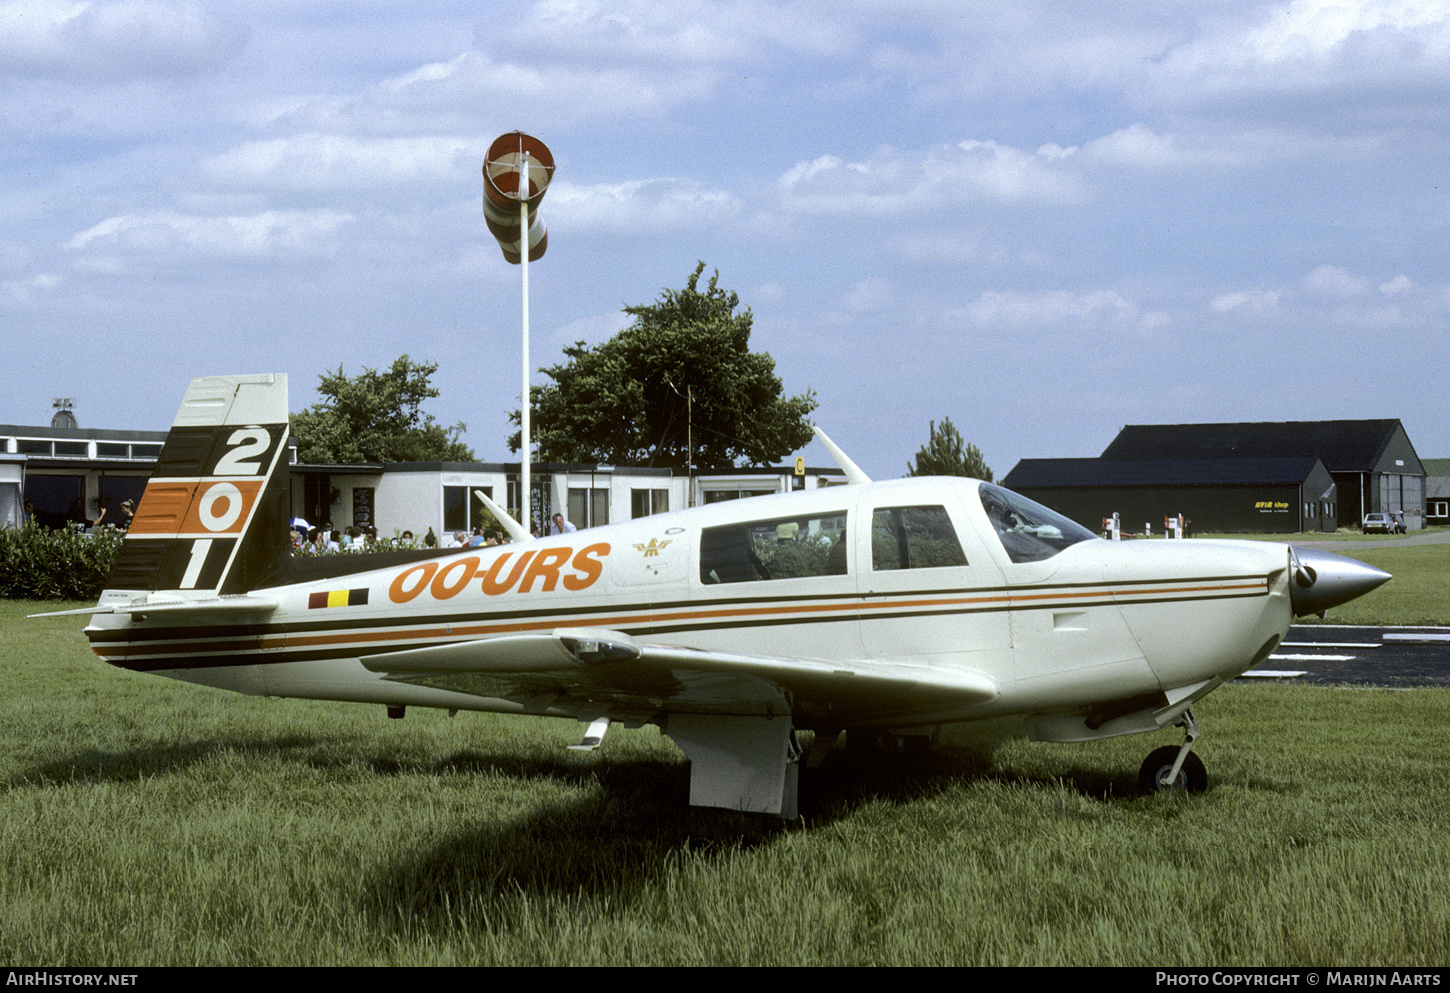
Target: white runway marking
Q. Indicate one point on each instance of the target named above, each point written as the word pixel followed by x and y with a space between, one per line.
pixel 1313 658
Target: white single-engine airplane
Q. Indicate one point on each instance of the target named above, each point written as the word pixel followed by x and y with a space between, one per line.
pixel 876 607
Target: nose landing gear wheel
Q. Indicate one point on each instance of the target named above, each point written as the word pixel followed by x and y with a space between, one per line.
pixel 1153 776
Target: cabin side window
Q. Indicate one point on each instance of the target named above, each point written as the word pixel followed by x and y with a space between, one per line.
pixel 780 548
pixel 914 538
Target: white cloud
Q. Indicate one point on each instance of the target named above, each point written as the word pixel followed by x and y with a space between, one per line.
pixel 454 95
pixel 768 292
pixel 23 290
pixel 1399 284
pixel 893 182
pixel 273 233
pixel 313 161
pixel 594 329
pixel 1315 45
pixel 114 39
pixel 1333 280
pixel 1255 301
pixel 1309 28
pixel 638 207
pixel 1139 146
pixel 871 294
pixel 562 61
pixel 1100 309
pixel 700 31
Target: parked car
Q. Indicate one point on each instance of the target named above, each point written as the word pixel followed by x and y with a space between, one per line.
pixel 1383 524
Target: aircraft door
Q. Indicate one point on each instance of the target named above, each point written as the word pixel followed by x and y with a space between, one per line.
pixel 928 587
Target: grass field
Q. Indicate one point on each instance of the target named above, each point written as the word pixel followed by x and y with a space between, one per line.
pixel 1417 595
pixel 150 822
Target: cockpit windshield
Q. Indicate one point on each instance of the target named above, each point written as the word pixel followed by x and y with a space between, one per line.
pixel 1029 531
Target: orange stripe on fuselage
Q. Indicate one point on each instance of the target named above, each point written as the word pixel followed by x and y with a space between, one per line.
pixel 643 616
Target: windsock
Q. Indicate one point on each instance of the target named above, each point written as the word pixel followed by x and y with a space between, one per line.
pixel 508 158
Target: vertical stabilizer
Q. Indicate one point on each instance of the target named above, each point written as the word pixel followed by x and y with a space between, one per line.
pixel 214 514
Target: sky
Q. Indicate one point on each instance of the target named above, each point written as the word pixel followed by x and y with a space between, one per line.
pixel 1042 220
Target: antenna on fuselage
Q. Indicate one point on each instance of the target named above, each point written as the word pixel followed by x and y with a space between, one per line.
pixel 514 528
pixel 852 470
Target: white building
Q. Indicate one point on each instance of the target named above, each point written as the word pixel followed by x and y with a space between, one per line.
pixel 417 496
pixel 71 474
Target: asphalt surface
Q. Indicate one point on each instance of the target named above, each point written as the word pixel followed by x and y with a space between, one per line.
pixel 1333 654
pixel 1366 656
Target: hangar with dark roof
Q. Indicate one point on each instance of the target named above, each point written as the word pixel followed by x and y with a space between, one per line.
pixel 1267 476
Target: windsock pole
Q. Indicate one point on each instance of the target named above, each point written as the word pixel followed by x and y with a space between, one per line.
pixel 516 172
pixel 526 457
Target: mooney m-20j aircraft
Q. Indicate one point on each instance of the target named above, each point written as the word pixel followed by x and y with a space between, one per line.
pixel 873 608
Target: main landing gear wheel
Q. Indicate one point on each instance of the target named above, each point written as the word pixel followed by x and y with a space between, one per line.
pixel 1153 776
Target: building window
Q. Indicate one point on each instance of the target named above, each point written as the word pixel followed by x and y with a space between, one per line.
pixel 644 503
pixel 588 508
pixel 718 496
pixel 57 499
pixel 317 499
pixel 455 508
pixel 462 511
pixel 112 491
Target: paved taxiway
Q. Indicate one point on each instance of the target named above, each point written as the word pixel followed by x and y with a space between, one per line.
pixel 1367 656
pixel 1362 656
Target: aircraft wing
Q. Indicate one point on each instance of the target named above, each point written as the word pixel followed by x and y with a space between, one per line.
pixel 591 670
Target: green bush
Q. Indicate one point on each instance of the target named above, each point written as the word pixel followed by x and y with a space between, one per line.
pixel 37 563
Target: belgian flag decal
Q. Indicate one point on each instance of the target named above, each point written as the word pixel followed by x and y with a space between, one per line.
pixel 337 598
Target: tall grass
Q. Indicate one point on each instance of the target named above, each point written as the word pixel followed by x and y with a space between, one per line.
pixel 151 822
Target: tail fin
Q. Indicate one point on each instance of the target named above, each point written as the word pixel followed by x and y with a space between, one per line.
pixel 214 513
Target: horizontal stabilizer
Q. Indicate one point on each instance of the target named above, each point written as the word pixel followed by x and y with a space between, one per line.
pixel 153 605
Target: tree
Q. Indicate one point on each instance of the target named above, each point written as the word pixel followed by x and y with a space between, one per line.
pixel 376 417
pixel 946 454
pixel 677 387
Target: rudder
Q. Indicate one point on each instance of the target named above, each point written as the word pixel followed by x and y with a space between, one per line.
pixel 213 516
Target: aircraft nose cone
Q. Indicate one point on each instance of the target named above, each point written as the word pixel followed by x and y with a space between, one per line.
pixel 1320 580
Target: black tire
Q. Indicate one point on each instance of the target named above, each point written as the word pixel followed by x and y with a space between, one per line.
pixel 1193 777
